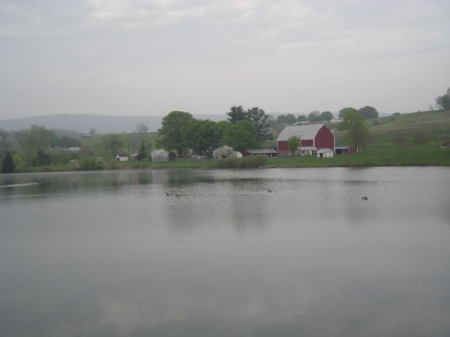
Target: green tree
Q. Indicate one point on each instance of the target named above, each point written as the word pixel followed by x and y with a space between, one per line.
pixel 259 119
pixel 142 154
pixel 343 111
pixel 38 138
pixel 444 101
pixel 4 142
pixel 203 136
pixel 301 118
pixel 141 128
pixel 290 119
pixel 240 136
pixel 112 143
pixel 8 164
pixel 293 144
pixel 236 114
pixel 41 158
pixel 314 116
pixel 172 133
pixel 368 112
pixel 282 119
pixel 357 131
pixel 65 141
pixel 326 116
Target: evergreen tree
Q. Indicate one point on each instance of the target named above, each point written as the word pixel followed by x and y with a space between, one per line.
pixel 236 114
pixel 8 164
pixel 259 119
pixel 142 151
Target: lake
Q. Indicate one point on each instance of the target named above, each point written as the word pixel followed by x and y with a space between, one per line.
pixel 267 252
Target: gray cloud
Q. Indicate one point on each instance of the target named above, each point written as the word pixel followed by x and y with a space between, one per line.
pixel 149 57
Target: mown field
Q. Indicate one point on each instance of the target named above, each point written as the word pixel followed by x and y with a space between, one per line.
pixel 416 128
pixel 389 155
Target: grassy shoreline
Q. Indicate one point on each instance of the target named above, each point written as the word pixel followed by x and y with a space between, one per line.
pixel 390 155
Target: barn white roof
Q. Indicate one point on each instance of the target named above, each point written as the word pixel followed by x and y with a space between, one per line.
pixel 302 131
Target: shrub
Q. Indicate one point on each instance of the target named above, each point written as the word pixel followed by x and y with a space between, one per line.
pixel 41 158
pixel 228 163
pixel 246 162
pixel 59 157
pixel 90 164
pixel 19 162
pixel 224 152
pixel 74 163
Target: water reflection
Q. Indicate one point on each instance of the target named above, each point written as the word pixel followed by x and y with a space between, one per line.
pixel 226 253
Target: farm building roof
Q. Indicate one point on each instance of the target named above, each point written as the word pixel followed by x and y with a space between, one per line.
pixel 261 151
pixel 302 131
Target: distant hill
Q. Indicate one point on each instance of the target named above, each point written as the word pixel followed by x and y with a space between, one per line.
pixel 83 123
pixel 409 128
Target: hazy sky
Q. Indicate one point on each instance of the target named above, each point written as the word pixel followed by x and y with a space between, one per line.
pixel 148 57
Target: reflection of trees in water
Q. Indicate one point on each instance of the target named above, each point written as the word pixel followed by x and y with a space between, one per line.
pixel 237 203
pixel 48 183
pixel 249 199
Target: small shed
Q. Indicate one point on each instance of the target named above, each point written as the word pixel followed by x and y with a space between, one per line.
pixel 341 149
pixel 122 157
pixel 72 149
pixel 344 149
pixel 160 155
pixel 325 153
pixel 261 152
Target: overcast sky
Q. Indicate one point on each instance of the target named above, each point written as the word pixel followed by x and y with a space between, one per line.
pixel 148 57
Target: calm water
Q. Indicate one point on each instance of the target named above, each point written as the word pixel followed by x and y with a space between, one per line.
pixel 214 253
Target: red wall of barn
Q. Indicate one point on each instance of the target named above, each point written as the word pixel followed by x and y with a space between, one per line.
pixel 324 139
pixel 307 143
pixel 282 146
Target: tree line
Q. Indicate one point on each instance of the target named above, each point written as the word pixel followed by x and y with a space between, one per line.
pixel 243 129
pixel 30 147
pixel 367 112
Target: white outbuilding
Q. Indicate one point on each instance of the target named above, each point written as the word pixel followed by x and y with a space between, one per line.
pixel 160 155
pixel 325 153
pixel 122 157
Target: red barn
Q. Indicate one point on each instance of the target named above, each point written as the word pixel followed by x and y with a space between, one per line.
pixel 313 137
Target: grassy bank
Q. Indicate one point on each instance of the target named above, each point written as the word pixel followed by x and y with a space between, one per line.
pixel 134 165
pixel 391 155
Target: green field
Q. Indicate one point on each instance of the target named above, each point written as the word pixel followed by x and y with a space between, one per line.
pixel 389 155
pixel 96 146
pixel 416 128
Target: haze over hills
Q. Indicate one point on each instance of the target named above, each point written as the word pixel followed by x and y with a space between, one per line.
pixel 83 123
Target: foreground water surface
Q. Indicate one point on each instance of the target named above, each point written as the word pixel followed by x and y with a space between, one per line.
pixel 275 252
